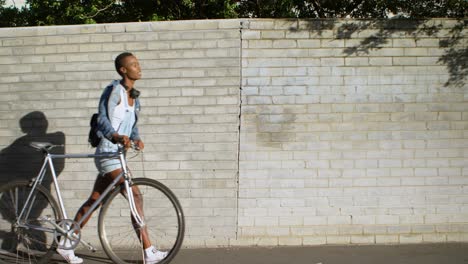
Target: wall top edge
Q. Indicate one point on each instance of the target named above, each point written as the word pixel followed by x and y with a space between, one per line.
pixel 217 24
pixel 150 26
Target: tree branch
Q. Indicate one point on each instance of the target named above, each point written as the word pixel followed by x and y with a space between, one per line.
pixel 100 10
pixel 318 9
pixel 355 6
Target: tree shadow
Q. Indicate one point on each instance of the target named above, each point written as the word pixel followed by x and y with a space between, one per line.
pixel 19 161
pixel 455 54
pixel 385 29
pixel 317 25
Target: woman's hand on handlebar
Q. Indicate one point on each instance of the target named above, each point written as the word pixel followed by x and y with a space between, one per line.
pixel 122 139
pixel 139 145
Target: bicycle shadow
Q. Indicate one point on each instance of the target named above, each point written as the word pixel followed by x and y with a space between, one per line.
pixel 19 161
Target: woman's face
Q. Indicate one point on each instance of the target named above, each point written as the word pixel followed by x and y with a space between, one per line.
pixel 131 68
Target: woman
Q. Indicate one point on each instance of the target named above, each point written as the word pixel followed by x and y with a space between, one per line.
pixel 118 115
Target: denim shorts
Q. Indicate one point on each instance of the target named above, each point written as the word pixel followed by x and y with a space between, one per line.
pixel 106 165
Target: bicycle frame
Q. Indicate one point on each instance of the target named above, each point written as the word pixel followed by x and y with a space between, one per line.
pixel 49 164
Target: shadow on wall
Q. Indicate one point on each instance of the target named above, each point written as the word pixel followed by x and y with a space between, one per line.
pixel 455 55
pixel 19 161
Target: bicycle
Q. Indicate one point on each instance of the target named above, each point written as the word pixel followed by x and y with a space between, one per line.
pixel 32 222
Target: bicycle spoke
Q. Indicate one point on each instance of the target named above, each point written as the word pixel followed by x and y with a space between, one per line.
pixel 29 239
pixel 161 213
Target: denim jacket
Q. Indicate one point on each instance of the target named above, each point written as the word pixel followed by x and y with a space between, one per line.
pixel 105 106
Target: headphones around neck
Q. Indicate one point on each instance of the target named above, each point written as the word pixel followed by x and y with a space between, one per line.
pixel 134 93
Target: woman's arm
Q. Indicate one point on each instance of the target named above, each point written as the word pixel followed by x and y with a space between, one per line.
pixel 109 99
pixel 135 135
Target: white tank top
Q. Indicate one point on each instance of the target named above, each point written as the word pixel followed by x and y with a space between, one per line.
pixel 123 117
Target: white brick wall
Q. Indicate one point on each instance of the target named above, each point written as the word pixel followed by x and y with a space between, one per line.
pixel 344 138
pixel 190 107
pixel 344 141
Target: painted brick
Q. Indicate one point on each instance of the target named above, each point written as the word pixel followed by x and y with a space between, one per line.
pixel 336 143
pixel 386 164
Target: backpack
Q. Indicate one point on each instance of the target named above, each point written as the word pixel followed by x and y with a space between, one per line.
pixel 93 137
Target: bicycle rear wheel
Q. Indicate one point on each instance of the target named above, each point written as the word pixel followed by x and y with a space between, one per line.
pixel 32 241
pixel 163 217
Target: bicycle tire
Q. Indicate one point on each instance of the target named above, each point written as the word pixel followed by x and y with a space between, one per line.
pixel 163 216
pixel 27 244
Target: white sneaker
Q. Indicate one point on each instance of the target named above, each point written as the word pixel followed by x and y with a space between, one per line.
pixel 152 255
pixel 69 256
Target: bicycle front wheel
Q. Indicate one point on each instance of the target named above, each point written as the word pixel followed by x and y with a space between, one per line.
pixel 162 215
pixel 31 239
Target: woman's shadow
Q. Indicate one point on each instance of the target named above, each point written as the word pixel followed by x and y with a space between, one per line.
pixel 19 161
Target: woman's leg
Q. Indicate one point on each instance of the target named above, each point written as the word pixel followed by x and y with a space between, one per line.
pixel 141 232
pixel 101 183
pixel 152 255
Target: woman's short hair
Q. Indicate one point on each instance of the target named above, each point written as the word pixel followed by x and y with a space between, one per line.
pixel 119 60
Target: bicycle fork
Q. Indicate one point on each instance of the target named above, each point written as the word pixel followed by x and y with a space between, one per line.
pixel 129 192
pixel 131 202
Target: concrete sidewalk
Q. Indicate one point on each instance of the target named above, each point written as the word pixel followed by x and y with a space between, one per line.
pixel 400 254
pixel 454 253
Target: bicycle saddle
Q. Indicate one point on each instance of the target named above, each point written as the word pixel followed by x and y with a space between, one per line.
pixel 41 145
